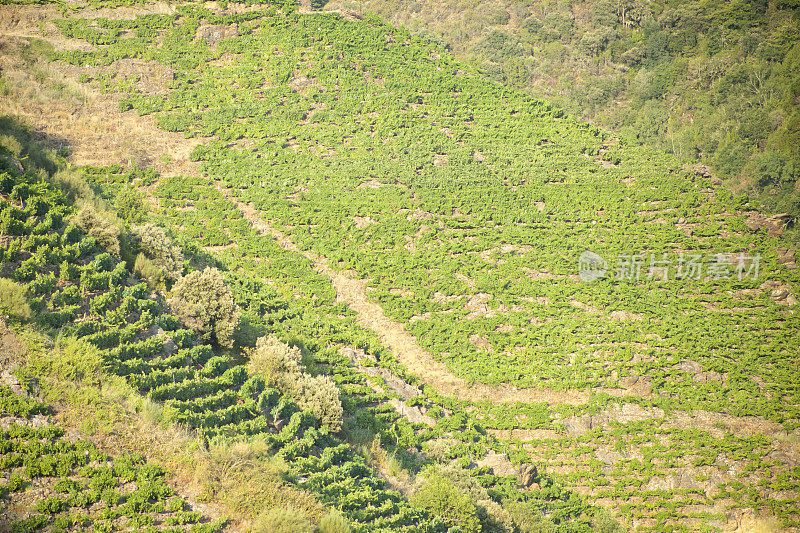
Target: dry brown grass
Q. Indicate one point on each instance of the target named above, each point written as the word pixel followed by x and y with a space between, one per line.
pixel 66 113
pixel 231 480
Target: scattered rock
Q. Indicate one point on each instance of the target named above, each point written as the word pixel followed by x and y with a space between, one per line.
pixel 773 224
pixel 632 412
pixel 786 257
pixel 637 385
pixel 169 345
pixel 780 293
pixel 499 463
pixel 624 315
pixel 370 184
pixel 699 170
pixel 481 343
pixel 528 474
pixel 575 426
pixel 10 380
pixel 705 377
pixel 213 33
pixel 363 222
pixel 691 367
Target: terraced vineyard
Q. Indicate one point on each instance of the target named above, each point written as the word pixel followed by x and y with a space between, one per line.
pixel 405 219
pixel 52 479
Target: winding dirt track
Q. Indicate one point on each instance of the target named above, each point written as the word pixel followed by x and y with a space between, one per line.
pixel 418 361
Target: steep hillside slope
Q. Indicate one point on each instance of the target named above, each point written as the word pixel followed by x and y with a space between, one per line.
pixel 388 174
pixel 272 457
pixel 715 81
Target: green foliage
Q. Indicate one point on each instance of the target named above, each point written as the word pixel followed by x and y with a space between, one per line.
pixel 334 522
pixel 159 257
pixel 275 361
pixel 43 452
pixel 281 367
pixel 443 499
pixel 319 395
pixel 13 302
pixel 282 520
pixel 98 226
pixel 497 193
pixel 15 405
pixel 529 518
pixel 202 301
pixel 130 204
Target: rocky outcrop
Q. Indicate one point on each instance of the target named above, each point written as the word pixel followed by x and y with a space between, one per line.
pixel 637 385
pixel 703 171
pixel 780 293
pixel 213 33
pixel 499 463
pixel 774 224
pixel 786 257
pixel 698 375
pixel 528 476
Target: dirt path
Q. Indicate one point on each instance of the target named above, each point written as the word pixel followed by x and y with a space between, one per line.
pixel 418 361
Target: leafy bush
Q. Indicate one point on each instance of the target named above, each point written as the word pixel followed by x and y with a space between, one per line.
pixel 280 366
pixel 440 496
pixel 282 520
pixel 100 227
pixel 158 253
pixel 204 303
pixel 274 360
pixel 130 205
pixel 13 302
pixel 319 395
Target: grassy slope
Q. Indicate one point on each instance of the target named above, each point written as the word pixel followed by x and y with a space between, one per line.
pixel 57 467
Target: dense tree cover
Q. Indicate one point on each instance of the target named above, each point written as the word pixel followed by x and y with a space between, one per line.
pixel 715 81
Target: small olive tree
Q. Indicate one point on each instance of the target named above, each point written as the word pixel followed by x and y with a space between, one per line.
pixel 158 257
pixel 203 302
pixel 440 496
pixel 281 367
pixel 100 226
pixel 320 395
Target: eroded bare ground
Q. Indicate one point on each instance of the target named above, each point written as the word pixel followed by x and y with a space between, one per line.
pixel 65 111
